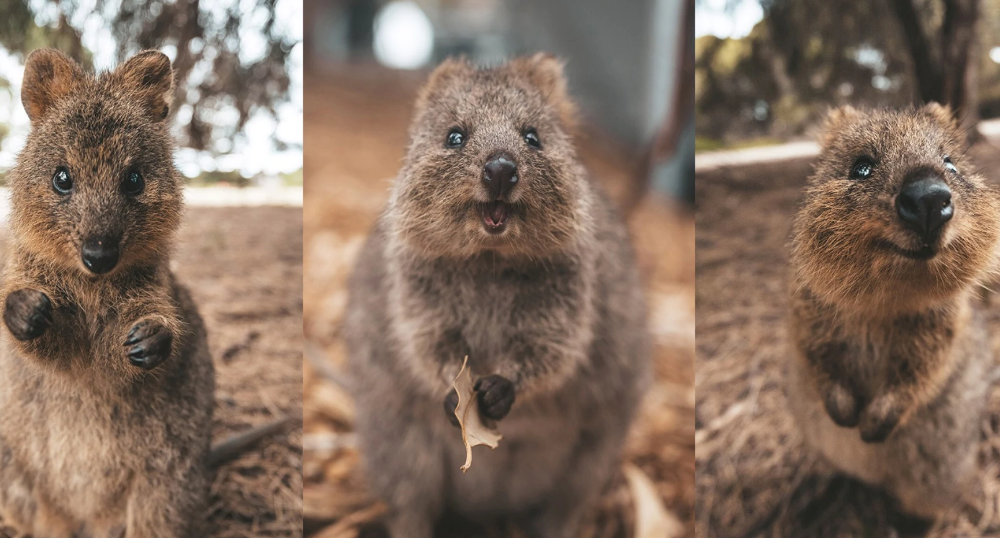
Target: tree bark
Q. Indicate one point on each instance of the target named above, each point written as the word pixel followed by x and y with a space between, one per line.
pixel 959 61
pixel 946 70
pixel 926 68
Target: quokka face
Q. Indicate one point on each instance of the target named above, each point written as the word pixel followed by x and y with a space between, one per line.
pixel 491 166
pixel 95 188
pixel 890 221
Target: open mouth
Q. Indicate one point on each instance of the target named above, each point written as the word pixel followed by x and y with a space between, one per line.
pixel 925 252
pixel 495 215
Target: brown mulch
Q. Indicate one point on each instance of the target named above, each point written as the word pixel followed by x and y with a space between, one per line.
pixel 356 121
pixel 244 267
pixel 755 477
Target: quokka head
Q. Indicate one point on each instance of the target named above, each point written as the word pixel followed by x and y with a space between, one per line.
pixel 895 216
pixel 95 188
pixel 491 164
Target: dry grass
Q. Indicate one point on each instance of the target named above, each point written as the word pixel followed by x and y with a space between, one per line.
pixel 754 476
pixel 356 124
pixel 244 268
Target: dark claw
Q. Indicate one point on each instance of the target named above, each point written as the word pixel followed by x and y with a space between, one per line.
pixel 27 314
pixel 496 396
pixel 149 344
pixel 132 338
pixel 450 404
pixel 878 420
pixel 842 406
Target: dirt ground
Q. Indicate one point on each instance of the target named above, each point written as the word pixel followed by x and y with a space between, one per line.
pixel 754 476
pixel 356 121
pixel 244 269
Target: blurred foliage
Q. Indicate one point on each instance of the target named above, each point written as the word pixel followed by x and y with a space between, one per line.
pixel 217 90
pixel 806 56
pixel 293 179
pixel 219 177
pixel 235 179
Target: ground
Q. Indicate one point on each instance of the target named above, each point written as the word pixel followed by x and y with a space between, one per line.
pixel 244 269
pixel 356 125
pixel 754 476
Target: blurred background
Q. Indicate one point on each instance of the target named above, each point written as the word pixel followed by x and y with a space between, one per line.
pixel 238 100
pixel 237 119
pixel 629 66
pixel 627 63
pixel 766 71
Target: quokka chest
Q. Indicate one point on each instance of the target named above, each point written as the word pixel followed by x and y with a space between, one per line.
pixel 485 308
pixel 97 311
pixel 872 353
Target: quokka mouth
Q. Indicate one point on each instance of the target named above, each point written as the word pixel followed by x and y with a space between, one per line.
pixel 495 215
pixel 924 253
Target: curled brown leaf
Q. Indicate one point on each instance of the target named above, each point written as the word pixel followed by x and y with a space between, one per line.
pixel 474 431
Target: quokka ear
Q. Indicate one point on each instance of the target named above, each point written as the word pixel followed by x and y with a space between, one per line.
pixel 448 69
pixel 942 114
pixel 148 77
pixel 49 76
pixel 546 72
pixel 835 121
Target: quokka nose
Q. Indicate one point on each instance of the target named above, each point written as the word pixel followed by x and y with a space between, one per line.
pixel 925 205
pixel 499 176
pixel 100 254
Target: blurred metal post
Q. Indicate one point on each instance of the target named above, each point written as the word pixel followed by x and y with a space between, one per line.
pixel 622 63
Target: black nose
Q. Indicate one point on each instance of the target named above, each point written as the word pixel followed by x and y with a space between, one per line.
pixel 924 204
pixel 100 254
pixel 500 176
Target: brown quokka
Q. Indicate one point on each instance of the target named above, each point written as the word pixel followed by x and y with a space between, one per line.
pixel 892 361
pixel 495 245
pixel 107 388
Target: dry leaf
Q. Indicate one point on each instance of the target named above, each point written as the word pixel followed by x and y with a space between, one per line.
pixel 474 432
pixel 651 519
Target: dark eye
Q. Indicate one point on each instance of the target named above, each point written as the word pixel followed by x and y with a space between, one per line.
pixel 531 138
pixel 950 166
pixel 61 182
pixel 862 168
pixel 133 184
pixel 456 138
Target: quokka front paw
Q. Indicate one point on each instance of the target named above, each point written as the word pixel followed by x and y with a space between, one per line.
pixel 842 406
pixel 496 396
pixel 880 418
pixel 148 344
pixel 27 313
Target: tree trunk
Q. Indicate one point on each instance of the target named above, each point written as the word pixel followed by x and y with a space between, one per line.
pixel 926 65
pixel 946 71
pixel 959 59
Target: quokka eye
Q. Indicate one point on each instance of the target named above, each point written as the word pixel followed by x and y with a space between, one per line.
pixel 862 168
pixel 61 182
pixel 950 166
pixel 133 184
pixel 531 138
pixel 456 138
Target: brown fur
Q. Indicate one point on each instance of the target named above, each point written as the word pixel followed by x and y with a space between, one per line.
pixel 885 343
pixel 91 444
pixel 549 312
